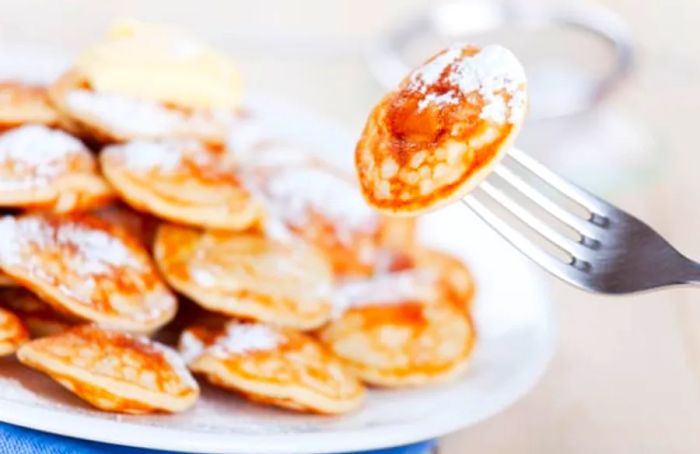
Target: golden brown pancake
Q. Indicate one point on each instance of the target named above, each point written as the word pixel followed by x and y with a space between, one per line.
pixel 48 169
pixel 449 272
pixel 12 332
pixel 21 104
pixel 436 136
pixel 247 275
pixel 114 118
pixel 397 234
pixel 183 182
pixel 39 317
pixel 274 366
pixel 84 267
pixel 308 199
pixel 114 371
pixel 399 330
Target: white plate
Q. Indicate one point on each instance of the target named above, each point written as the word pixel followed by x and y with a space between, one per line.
pixel 515 343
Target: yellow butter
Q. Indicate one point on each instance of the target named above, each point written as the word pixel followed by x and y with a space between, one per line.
pixel 162 63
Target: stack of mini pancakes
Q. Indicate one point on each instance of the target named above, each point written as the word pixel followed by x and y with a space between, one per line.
pixel 130 223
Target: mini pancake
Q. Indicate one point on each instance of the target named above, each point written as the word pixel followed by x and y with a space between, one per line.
pixel 180 181
pixel 137 224
pixel 274 366
pixel 114 371
pixel 84 267
pixel 311 200
pixel 48 169
pixel 451 274
pixel 12 332
pixel 439 134
pixel 39 317
pixel 247 275
pixel 397 330
pixel 115 118
pixel 397 234
pixel 21 104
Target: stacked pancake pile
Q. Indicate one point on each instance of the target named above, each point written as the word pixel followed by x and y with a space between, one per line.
pixel 143 207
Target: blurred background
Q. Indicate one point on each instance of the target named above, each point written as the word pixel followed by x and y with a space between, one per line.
pixel 615 101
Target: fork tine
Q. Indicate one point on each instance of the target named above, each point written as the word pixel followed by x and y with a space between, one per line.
pixel 564 271
pixel 583 227
pixel 596 206
pixel 574 249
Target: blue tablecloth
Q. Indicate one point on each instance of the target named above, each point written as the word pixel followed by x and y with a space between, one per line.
pixel 18 440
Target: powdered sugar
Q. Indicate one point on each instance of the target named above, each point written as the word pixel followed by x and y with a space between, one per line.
pixel 242 338
pixel 133 118
pixel 36 145
pixel 383 289
pixel 274 154
pixel 126 116
pixel 95 251
pixel 32 242
pixel 245 136
pixel 190 346
pixel 33 155
pixel 144 156
pixel 493 72
pixel 294 193
pixel 441 99
pixel 430 73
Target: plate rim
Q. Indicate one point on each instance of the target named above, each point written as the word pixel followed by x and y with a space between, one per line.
pixel 132 434
pixel 125 433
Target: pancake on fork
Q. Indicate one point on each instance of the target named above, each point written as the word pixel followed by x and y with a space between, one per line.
pixel 12 332
pixel 39 317
pixel 272 365
pixel 25 104
pixel 84 267
pixel 7 281
pixel 183 182
pixel 440 133
pixel 48 169
pixel 247 275
pixel 399 329
pixel 114 371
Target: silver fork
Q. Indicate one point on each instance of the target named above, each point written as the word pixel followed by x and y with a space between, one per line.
pixel 610 251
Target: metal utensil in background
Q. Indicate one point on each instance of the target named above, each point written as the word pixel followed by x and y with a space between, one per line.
pixel 535 31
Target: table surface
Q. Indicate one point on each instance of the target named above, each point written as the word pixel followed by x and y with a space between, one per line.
pixel 626 375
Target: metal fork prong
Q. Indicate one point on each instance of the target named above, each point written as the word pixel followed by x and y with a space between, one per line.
pixel 574 249
pixel 578 195
pixel 583 227
pixel 547 261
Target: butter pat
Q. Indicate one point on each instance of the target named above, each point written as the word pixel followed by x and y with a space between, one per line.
pixel 161 63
